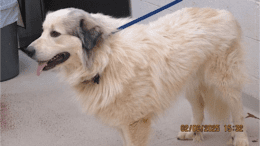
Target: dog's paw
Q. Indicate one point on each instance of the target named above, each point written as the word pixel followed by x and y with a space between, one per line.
pixel 185 135
pixel 196 136
pixel 241 141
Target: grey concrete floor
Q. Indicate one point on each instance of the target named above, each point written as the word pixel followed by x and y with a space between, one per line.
pixel 41 111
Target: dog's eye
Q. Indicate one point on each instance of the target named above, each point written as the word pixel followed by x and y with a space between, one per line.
pixel 55 34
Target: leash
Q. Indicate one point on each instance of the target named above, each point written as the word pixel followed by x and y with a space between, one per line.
pixel 146 16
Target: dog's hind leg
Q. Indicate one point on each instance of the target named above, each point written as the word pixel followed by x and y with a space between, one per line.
pixel 226 74
pixel 197 104
pixel 234 101
pixel 137 133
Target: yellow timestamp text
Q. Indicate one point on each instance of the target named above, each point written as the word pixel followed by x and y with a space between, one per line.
pixel 200 128
pixel 236 128
pixel 211 128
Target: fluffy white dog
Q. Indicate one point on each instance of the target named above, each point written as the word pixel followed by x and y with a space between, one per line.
pixel 129 78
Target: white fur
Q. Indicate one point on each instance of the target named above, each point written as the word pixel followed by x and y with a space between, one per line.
pixel 144 68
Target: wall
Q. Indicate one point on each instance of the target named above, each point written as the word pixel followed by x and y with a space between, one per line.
pixel 246 12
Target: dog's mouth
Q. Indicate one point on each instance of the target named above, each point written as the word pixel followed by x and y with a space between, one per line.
pixel 57 59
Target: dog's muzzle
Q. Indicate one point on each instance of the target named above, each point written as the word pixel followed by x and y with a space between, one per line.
pixel 44 65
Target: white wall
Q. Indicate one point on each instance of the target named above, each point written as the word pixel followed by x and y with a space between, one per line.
pixel 247 13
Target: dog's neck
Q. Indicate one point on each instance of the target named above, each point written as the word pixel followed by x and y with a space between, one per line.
pixel 95 79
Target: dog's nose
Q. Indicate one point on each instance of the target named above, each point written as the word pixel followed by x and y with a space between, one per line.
pixel 30 51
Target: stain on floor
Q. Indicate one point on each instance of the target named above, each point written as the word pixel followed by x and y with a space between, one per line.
pixel 6 116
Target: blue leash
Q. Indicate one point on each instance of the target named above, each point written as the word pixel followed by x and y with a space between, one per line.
pixel 146 16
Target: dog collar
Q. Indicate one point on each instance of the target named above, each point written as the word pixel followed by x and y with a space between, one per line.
pixel 95 79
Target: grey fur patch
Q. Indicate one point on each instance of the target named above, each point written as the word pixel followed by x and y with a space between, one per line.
pixel 80 24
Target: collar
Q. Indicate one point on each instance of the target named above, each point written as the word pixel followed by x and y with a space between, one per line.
pixel 95 79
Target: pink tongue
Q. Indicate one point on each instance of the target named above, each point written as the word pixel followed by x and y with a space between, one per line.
pixel 40 68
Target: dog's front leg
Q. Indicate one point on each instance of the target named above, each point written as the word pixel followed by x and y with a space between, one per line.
pixel 136 133
pixel 122 135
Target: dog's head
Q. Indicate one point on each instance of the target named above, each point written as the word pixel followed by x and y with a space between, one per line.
pixel 67 33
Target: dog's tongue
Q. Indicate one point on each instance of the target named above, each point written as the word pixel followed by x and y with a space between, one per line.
pixel 40 68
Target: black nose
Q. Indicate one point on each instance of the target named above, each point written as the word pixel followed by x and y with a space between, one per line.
pixel 30 51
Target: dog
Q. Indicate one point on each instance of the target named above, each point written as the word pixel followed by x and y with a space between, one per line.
pixel 127 79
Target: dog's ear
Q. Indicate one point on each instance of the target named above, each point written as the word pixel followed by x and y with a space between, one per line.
pixel 90 37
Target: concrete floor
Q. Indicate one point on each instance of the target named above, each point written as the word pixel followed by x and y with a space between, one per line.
pixel 40 111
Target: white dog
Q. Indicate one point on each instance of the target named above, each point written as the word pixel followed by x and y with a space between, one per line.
pixel 129 78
